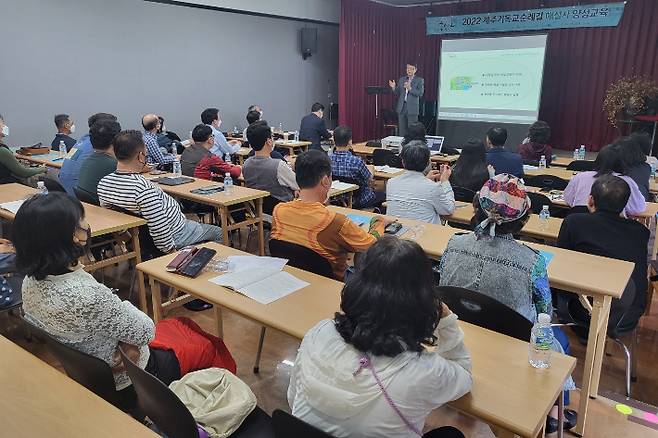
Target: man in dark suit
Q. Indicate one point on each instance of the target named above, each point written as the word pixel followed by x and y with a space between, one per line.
pixel 410 89
pixel 313 128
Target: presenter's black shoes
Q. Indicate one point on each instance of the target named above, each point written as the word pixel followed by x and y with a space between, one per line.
pixel 570 420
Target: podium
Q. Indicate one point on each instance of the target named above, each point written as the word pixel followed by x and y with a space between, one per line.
pixel 372 89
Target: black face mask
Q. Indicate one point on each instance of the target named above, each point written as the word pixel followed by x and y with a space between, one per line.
pixel 81 250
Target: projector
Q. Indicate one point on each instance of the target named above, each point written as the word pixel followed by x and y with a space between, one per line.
pixel 393 142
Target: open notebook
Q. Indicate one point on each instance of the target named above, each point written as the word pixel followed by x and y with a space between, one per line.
pixel 12 206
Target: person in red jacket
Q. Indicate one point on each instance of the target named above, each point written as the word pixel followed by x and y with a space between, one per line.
pixel 198 161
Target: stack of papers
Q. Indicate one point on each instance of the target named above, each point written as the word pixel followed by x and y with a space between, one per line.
pixel 339 185
pixel 388 169
pixel 12 206
pixel 259 278
pixel 529 167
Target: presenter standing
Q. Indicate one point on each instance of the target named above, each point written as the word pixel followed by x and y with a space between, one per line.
pixel 410 89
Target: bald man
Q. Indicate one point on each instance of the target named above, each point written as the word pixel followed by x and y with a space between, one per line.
pixel 151 124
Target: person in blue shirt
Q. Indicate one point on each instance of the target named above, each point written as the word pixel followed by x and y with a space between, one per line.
pixel 502 160
pixel 70 171
pixel 210 117
pixel 151 124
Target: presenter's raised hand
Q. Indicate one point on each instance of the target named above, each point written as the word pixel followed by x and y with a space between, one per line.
pixel 391 83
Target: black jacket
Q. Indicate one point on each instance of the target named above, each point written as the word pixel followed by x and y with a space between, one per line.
pixel 314 130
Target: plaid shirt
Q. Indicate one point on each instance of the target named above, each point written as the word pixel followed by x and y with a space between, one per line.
pixel 153 153
pixel 345 164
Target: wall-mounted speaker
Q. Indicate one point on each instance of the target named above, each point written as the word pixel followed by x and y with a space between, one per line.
pixel 309 41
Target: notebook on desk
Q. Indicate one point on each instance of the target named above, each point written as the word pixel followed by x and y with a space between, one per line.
pixel 173 181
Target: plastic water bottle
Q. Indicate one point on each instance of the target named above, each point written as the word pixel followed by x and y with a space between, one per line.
pixel 62 149
pixel 296 136
pixel 177 169
pixel 541 340
pixel 576 154
pixel 280 127
pixel 582 151
pixel 542 162
pixel 228 183
pixel 653 169
pixel 235 129
pixel 544 216
pixel 227 158
pixel 41 186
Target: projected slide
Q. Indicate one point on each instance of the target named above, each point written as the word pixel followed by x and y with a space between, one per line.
pixel 491 79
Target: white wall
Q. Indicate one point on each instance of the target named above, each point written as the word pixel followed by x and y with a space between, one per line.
pixel 130 57
pixel 322 10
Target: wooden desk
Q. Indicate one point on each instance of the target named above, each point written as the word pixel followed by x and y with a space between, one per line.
pixel 39 401
pixel 242 155
pixel 560 172
pixel 102 221
pixel 52 160
pixel 221 201
pixel 366 152
pixel 599 277
pixel 383 175
pixel 507 392
pixel 349 191
pixel 294 147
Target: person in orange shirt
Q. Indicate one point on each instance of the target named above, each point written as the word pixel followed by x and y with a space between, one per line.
pixel 307 222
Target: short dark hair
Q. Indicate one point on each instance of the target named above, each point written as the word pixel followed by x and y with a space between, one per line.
pixel 610 194
pixel 42 234
pixel 539 132
pixel 644 140
pixel 60 120
pixel 128 144
pixel 310 167
pixel 497 136
pixel 608 160
pixel 201 133
pixel 513 227
pixel 415 131
pixel 208 115
pixel 631 152
pixel 413 63
pixel 252 108
pixel 102 133
pixel 100 116
pixel 391 304
pixel 253 116
pixel 415 156
pixel 317 106
pixel 258 133
pixel 342 135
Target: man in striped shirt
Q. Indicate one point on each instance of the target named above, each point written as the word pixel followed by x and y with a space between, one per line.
pixel 127 189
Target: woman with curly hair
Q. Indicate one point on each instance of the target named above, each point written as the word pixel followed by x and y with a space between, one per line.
pixel 536 144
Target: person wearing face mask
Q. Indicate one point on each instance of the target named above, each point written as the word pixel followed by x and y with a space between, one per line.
pixel 10 169
pixel 210 117
pixel 127 189
pixel 257 109
pixel 65 127
pixel 154 155
pixel 313 129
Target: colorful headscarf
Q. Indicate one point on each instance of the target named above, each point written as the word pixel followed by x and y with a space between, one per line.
pixel 503 199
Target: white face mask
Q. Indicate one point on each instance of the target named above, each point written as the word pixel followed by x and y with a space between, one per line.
pixel 261 114
pixel 163 128
pixel 5 130
pixel 219 123
pixel 72 129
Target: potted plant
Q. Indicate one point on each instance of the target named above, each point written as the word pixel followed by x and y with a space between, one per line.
pixel 628 97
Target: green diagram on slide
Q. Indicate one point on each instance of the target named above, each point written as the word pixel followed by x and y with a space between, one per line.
pixel 492 79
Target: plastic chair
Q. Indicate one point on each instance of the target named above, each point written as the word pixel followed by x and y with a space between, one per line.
pixel 269 202
pixel 463 194
pixel 581 165
pixel 85 196
pixel 531 163
pixel 546 182
pixel 288 426
pixel 486 312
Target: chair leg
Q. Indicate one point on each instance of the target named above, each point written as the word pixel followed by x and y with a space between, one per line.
pixel 634 355
pixel 628 366
pixel 260 350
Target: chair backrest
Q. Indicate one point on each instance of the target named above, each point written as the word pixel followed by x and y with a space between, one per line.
pixel 287 426
pixel 83 196
pixel 89 371
pixel 301 257
pixel 581 165
pixel 463 194
pixel 546 182
pixel 52 184
pixel 146 244
pixel 537 202
pixel 484 311
pixel 381 157
pixel 160 404
pixel 269 202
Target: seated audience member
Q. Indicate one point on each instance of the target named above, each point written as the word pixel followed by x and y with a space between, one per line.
pixel 536 144
pixel 608 161
pixel 471 170
pixel 252 117
pixel 154 155
pixel 263 172
pixel 344 164
pixel 197 160
pixel 210 117
pixel 605 232
pixel 313 129
pixel 255 108
pixel 415 131
pixel 127 189
pixel 644 140
pixel 10 169
pixel 502 160
pixel 65 127
pixel 634 162
pixel 307 222
pixel 170 142
pixel 59 297
pixel 374 351
pixel 102 162
pixel 70 171
pixel 491 262
pixel 416 196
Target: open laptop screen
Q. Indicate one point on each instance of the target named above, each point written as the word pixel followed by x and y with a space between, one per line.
pixel 434 143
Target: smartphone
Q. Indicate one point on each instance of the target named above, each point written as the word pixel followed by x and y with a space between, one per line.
pixel 393 228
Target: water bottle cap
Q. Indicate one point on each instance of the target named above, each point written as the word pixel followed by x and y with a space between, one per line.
pixel 228 174
pixel 543 157
pixel 544 318
pixel 41 184
pixel 545 207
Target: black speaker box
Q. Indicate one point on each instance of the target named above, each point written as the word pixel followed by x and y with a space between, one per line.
pixel 309 41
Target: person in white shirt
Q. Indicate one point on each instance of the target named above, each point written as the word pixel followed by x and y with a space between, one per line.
pixel 210 117
pixel 414 195
pixel 367 373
